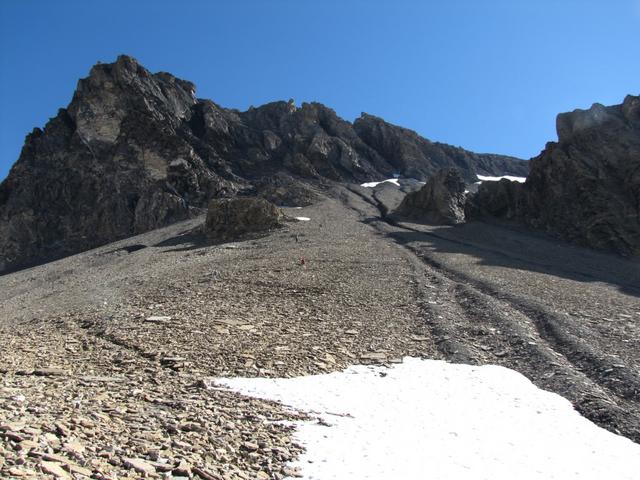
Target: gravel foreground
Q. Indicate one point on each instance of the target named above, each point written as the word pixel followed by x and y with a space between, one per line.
pixel 108 356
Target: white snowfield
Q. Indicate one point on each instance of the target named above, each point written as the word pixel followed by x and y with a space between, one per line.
pixel 428 419
pixel 484 178
pixel 302 219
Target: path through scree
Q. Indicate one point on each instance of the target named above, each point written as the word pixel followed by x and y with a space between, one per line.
pixel 432 419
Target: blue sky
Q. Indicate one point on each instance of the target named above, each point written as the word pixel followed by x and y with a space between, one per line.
pixel 486 75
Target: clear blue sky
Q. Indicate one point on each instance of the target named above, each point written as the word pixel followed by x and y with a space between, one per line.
pixel 486 75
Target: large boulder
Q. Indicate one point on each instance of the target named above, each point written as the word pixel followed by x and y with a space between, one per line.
pixel 440 201
pixel 234 218
pixel 585 188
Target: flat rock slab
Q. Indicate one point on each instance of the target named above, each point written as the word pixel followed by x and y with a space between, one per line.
pixel 56 470
pixel 140 466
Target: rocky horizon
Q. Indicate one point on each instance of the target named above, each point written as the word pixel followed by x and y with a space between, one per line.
pixel 134 151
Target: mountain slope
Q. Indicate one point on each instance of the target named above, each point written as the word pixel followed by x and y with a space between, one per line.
pixel 132 339
pixel 134 151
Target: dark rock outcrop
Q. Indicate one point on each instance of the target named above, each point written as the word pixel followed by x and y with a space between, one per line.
pixel 284 190
pixel 135 151
pixel 440 201
pixel 234 218
pixel 585 188
pixel 419 158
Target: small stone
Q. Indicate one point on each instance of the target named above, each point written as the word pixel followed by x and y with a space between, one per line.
pixel 12 427
pixel 14 436
pixel 26 445
pixel 50 372
pixel 373 356
pixel 190 427
pixel 17 472
pixel 139 466
pixel 252 447
pixel 328 358
pixel 292 472
pixel 73 468
pixel 100 379
pixel 52 457
pixel 51 439
pixel 62 429
pixel 172 359
pixel 75 448
pixel 204 474
pixel 182 470
pixel 419 338
pixel 56 470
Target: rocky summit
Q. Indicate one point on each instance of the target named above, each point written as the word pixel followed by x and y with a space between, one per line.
pixel 134 151
pixel 585 188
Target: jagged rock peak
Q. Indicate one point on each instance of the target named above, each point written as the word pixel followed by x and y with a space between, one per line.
pixel 113 90
pixel 135 151
pixel 598 116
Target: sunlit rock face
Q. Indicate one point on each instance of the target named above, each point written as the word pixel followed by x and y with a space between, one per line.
pixel 585 188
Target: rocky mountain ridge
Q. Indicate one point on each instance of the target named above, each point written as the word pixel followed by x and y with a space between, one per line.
pixel 585 188
pixel 135 151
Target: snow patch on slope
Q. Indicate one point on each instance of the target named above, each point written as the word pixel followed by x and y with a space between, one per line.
pixel 484 178
pixel 432 419
pixel 375 184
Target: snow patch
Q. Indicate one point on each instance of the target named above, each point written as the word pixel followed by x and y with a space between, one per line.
pixel 375 184
pixel 484 178
pixel 432 419
pixel 303 219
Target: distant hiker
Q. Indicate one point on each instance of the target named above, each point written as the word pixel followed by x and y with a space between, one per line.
pixel 302 261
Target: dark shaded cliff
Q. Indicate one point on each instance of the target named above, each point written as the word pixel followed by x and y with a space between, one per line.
pixel 585 188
